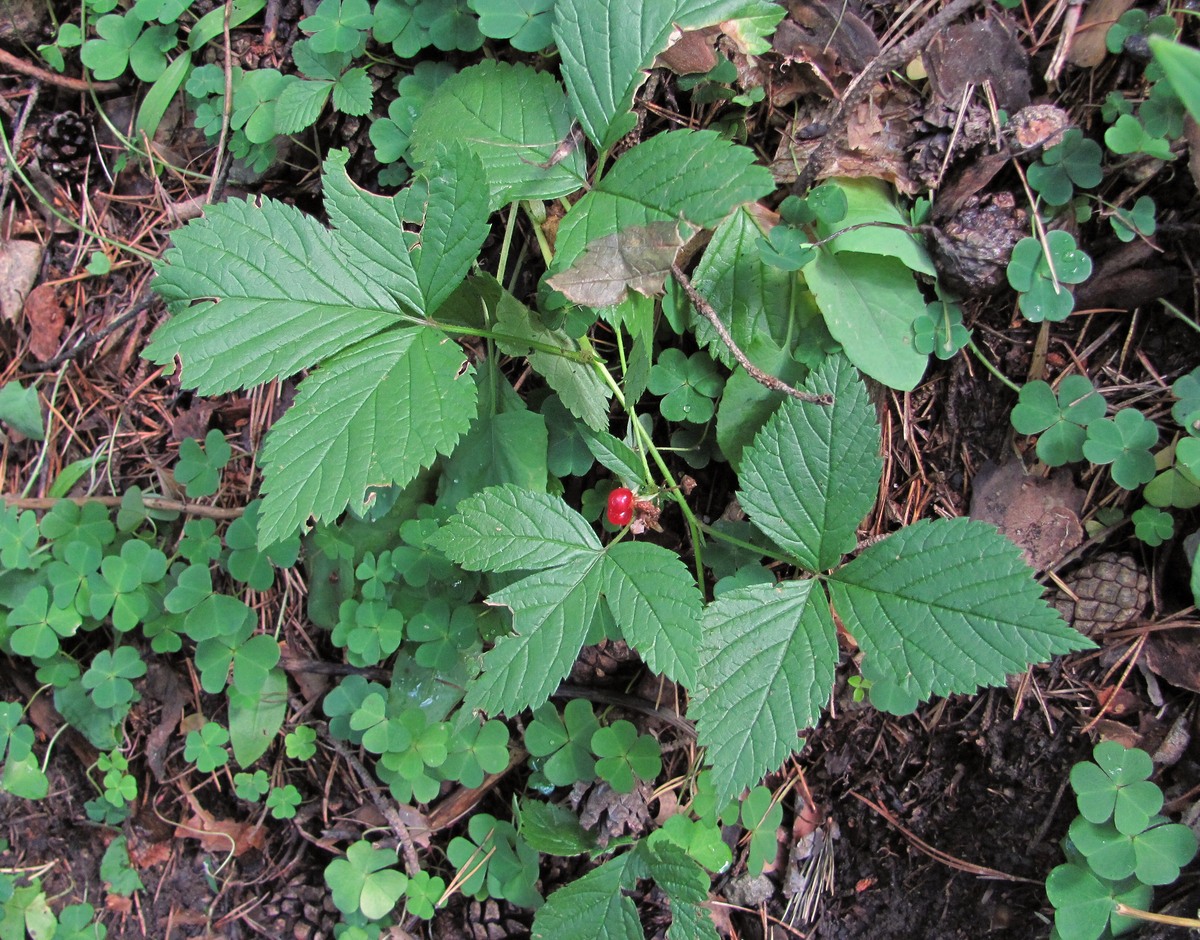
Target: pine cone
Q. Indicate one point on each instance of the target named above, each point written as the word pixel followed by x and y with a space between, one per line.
pixel 301 910
pixel 63 145
pixel 1112 592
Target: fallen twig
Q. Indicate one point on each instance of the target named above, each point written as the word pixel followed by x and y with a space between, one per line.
pixel 762 378
pixel 53 78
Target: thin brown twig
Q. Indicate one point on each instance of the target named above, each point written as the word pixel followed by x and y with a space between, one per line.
pixel 162 503
pixel 763 378
pixel 216 184
pixel 937 854
pixel 860 89
pixel 398 826
pixel 53 78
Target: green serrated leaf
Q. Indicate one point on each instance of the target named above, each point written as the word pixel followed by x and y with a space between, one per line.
pixel 947 606
pixel 591 908
pixel 766 668
pixel 505 528
pixel 694 176
pixel 401 390
pixel 812 473
pixel 654 600
pixel 552 611
pixel 554 830
pixel 516 120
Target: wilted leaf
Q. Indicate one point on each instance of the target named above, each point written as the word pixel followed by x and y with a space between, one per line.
pixel 639 258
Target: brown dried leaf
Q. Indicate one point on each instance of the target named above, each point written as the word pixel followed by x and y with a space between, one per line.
pixel 20 262
pixel 974 53
pixel 638 258
pixel 1087 44
pixel 1040 515
pixel 46 321
pixel 692 53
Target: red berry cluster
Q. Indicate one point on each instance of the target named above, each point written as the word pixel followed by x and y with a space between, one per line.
pixel 620 506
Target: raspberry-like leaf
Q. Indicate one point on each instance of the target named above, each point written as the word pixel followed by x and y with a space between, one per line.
pixel 766 668
pixel 812 473
pixel 947 606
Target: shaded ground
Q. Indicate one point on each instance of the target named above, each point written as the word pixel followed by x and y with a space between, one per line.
pixel 905 807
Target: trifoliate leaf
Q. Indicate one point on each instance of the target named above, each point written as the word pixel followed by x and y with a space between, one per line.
pixel 812 473
pixel 352 93
pixel 766 669
pixel 516 120
pixel 947 606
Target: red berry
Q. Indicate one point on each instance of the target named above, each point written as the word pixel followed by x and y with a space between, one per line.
pixel 620 506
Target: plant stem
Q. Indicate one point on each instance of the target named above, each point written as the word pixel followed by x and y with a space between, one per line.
pixel 991 368
pixel 1127 911
pixel 694 525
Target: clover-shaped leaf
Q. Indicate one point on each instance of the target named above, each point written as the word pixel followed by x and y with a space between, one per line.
pixel 69 577
pixel 1074 161
pixel 526 24
pixel 828 203
pixel 1130 223
pixel 475 751
pixel 108 678
pixel 1186 389
pixel 39 624
pixel 701 840
pixel 451 24
pixel 1123 441
pixel 199 468
pixel 301 744
pixel 761 817
pixel 251 787
pixel 939 330
pixel 337 25
pixel 564 741
pixel 786 248
pixel 1040 277
pixel 1154 854
pixel 1153 526
pixel 443 634
pixel 1085 905
pixel 19 539
pixel 68 522
pixel 396 23
pixel 1116 785
pixel 495 861
pixel 625 755
pixel 364 882
pixel 1060 418
pixel 1128 136
pixel 344 700
pixel 249 564
pixel 688 385
pixel 282 801
pixel 206 747
pixel 418 563
pixel 119 587
pixel 423 893
pixel 370 630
